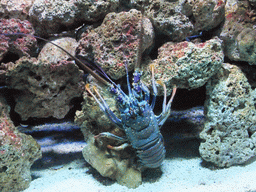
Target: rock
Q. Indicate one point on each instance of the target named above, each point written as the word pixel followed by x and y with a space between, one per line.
pixel 238 33
pixel 168 20
pixel 15 9
pixel 185 64
pixel 229 135
pixel 52 54
pixel 131 178
pixel 208 14
pixel 111 165
pixel 116 41
pixel 17 153
pixel 95 121
pixel 18 45
pixel 46 89
pixel 13 47
pixel 51 16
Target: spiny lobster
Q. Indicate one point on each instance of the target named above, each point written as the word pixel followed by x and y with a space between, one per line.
pixel 138 121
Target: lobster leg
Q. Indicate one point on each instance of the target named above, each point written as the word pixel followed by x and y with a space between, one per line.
pixel 110 136
pixel 118 148
pixel 114 137
pixel 104 107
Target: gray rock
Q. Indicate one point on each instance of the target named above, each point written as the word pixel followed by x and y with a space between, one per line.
pixel 229 135
pixel 168 20
pixel 50 16
pixel 46 89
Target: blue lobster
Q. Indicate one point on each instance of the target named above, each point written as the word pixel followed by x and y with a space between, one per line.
pixel 138 121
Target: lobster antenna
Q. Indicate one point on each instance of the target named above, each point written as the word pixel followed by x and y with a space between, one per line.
pixel 139 53
pixel 79 62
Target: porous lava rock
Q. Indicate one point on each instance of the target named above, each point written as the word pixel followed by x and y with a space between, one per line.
pixel 208 14
pixel 45 89
pixel 229 135
pixel 20 45
pixel 167 19
pixel 51 16
pixel 53 54
pixel 17 153
pixel 15 9
pixel 116 42
pixel 185 64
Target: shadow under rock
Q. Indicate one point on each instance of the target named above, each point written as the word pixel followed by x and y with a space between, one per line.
pixel 54 160
pixel 96 175
pixel 152 175
pixel 182 149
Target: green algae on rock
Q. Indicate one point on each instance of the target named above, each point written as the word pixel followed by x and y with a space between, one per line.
pixel 185 64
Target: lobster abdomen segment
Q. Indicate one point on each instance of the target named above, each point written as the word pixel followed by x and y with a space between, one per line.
pixel 153 153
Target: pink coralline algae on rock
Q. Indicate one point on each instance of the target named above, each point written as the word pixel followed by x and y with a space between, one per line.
pixel 17 153
pixel 116 41
pixel 20 45
pixel 186 65
pixel 15 8
pixel 229 135
pixel 46 89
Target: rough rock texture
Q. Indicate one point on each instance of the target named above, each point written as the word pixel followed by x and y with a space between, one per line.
pixel 238 33
pixel 15 8
pixel 231 6
pixel 52 54
pixel 116 42
pixel 229 135
pixel 17 153
pixel 94 120
pixel 10 46
pixel 208 14
pixel 20 45
pixel 168 20
pixel 50 16
pixel 112 165
pixel 186 65
pixel 250 71
pixel 45 89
